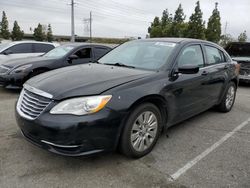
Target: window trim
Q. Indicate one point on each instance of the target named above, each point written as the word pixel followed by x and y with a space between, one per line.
pixel 206 54
pixel 186 46
pixel 32 49
pixel 81 48
pixel 102 47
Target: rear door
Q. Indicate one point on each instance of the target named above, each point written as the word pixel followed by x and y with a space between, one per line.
pixel 217 69
pixel 100 51
pixel 40 49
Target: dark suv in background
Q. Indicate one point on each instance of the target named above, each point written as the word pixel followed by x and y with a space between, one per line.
pixel 14 73
pixel 240 52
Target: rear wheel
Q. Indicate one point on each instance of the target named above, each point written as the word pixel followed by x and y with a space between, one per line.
pixel 141 131
pixel 228 100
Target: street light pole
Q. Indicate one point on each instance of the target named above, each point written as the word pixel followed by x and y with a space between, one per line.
pixel 72 21
pixel 90 20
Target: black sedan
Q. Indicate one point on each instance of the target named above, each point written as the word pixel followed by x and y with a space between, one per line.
pixel 127 98
pixel 14 73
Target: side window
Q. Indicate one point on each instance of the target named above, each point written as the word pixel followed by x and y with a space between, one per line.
pixel 84 53
pixel 99 52
pixel 21 48
pixel 192 55
pixel 214 55
pixel 43 48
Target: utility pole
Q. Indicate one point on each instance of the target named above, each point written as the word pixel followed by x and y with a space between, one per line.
pixel 225 31
pixel 88 25
pixel 72 21
pixel 90 20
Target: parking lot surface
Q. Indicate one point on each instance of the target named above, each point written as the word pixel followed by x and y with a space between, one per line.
pixel 209 150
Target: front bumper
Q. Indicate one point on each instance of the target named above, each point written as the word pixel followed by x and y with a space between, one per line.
pixel 244 78
pixel 13 81
pixel 73 135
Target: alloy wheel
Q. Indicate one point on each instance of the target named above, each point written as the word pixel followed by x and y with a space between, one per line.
pixel 230 97
pixel 144 131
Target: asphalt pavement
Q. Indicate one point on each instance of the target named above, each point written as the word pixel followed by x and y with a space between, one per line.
pixel 211 149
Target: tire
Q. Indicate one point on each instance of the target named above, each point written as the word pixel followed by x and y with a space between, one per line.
pixel 228 99
pixel 143 124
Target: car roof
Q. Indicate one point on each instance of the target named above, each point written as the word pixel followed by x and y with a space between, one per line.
pixel 86 44
pixel 9 44
pixel 176 40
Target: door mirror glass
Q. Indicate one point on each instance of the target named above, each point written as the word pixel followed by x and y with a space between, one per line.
pixel 188 69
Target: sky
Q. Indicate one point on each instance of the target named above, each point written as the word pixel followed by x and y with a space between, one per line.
pixel 116 18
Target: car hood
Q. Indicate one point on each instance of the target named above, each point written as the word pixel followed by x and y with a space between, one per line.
pixel 84 80
pixel 24 61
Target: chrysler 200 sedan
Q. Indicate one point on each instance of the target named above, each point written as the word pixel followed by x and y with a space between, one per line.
pixel 127 98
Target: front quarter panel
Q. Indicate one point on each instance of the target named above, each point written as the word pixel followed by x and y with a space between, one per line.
pixel 125 96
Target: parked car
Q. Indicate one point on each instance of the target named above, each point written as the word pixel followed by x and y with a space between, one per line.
pixel 24 49
pixel 240 52
pixel 15 72
pixel 126 99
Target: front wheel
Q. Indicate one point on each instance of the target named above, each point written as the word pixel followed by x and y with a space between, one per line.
pixel 228 100
pixel 141 131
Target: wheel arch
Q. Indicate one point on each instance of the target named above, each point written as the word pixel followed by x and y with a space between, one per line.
pixel 155 99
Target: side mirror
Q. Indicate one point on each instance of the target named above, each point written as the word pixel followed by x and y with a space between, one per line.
pixel 188 69
pixel 72 57
pixel 7 52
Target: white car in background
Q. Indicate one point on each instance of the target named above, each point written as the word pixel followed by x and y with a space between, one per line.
pixel 23 49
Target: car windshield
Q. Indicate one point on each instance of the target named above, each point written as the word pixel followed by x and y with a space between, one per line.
pixel 239 50
pixel 149 55
pixel 59 51
pixel 4 46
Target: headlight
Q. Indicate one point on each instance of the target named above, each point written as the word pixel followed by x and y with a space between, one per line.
pixel 22 68
pixel 82 105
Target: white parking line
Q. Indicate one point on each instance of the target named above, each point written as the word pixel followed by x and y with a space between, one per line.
pixel 191 163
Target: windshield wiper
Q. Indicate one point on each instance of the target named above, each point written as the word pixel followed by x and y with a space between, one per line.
pixel 120 65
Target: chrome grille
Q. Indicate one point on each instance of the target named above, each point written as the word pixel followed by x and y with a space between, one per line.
pixel 245 69
pixel 31 105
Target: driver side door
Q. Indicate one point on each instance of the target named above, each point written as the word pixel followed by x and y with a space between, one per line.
pixel 189 91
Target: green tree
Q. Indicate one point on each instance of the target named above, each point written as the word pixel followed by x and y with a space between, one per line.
pixel 196 25
pixel 213 32
pixel 225 40
pixel 16 34
pixel 39 33
pixel 155 30
pixel 49 34
pixel 166 23
pixel 4 27
pixel 178 26
pixel 242 37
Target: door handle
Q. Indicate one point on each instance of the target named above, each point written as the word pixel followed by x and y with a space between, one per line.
pixel 204 73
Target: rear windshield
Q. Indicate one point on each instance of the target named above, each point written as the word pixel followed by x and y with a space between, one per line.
pixel 238 50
